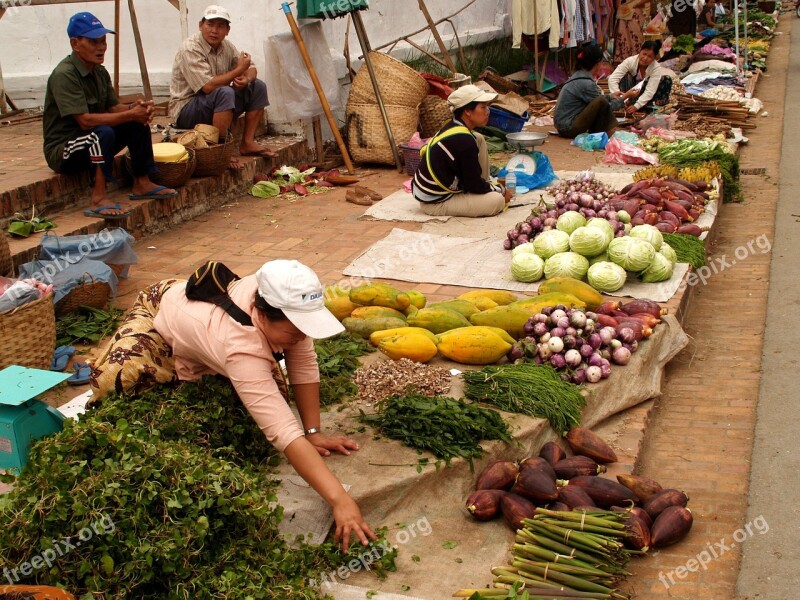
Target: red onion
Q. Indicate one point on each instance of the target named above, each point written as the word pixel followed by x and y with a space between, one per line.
pixel 545 337
pixel 573 358
pixel 558 332
pixel 547 310
pixel 564 308
pixel 615 344
pixel 571 331
pixel 507 244
pixel 512 234
pixel 572 207
pixel 528 328
pixel 544 351
pixel 562 321
pixel 539 329
pixel 595 360
pixel 595 341
pixel 539 318
pixel 550 222
pixel 558 361
pixel 516 353
pixel 589 213
pixel 593 374
pixel 633 346
pixel 602 213
pixel 557 314
pixel 626 334
pixel 570 341
pixel 535 222
pixel 522 239
pixel 537 359
pixel 525 228
pixel 605 353
pixel 589 328
pixel 621 356
pixel 586 351
pixel 579 377
pixel 556 344
pixel 578 318
pixel 591 315
pixel 607 334
pixel 605 371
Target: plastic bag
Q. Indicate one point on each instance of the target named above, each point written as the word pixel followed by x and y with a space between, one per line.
pixel 543 176
pixel 658 120
pixel 591 141
pixel 627 137
pixel 620 153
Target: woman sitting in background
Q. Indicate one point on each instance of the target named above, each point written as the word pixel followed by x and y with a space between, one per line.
pixel 644 69
pixel 581 108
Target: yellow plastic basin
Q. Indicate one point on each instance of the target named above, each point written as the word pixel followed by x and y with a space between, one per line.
pixel 169 152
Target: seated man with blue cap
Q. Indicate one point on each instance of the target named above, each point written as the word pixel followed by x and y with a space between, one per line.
pixel 85 125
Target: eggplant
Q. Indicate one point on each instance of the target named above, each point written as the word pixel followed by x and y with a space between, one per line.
pixel 484 505
pixel 537 462
pixel 574 496
pixel 604 492
pixel 535 483
pixel 516 508
pixel 577 465
pixel 552 453
pixel 643 487
pixel 671 526
pixel 585 442
pixel 637 533
pixel 499 475
pixel 657 503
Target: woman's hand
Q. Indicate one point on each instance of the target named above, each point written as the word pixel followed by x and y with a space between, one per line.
pixel 630 109
pixel 326 444
pixel 348 521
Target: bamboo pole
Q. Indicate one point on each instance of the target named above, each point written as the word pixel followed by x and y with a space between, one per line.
pixel 445 53
pixel 137 38
pixel 460 10
pixel 364 41
pixel 184 16
pixel 317 86
pixel 116 46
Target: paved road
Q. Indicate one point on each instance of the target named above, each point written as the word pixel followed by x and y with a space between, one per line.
pixel 770 565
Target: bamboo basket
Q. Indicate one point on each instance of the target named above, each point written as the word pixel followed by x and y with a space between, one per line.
pixel 90 293
pixel 433 113
pixel 6 263
pixel 366 133
pixel 400 85
pixel 169 174
pixel 29 335
pixel 213 159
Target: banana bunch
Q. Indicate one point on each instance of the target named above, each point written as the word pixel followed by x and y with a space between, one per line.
pixel 705 172
pixel 652 172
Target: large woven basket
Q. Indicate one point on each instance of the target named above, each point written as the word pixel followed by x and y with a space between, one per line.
pixel 366 133
pixel 400 85
pixel 29 335
pixel 170 174
pixel 433 113
pixel 6 264
pixel 89 293
pixel 213 159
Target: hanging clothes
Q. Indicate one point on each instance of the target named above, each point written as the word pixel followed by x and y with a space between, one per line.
pixel 522 20
pixel 630 29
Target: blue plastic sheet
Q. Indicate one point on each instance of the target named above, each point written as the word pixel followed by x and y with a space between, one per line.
pixel 111 246
pixel 66 276
pixel 591 141
pixel 543 176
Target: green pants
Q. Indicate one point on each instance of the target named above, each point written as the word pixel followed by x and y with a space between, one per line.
pixel 595 118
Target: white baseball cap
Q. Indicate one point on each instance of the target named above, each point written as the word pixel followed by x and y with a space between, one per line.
pixel 216 12
pixel 469 93
pixel 295 289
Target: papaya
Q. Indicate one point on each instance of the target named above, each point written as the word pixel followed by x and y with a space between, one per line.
pixel 575 287
pixel 340 306
pixel 413 346
pixel 482 302
pixel 380 294
pixel 501 297
pixel 418 299
pixel 438 320
pixel 368 312
pixel 376 337
pixel 537 303
pixel 366 327
pixel 411 310
pixel 473 346
pixel 496 330
pixel 465 307
pixel 510 319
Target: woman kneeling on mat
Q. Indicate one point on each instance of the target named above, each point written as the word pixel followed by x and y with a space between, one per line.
pixel 453 176
pixel 581 108
pixel 642 78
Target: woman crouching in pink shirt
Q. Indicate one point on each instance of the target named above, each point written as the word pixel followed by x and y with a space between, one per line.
pixel 284 299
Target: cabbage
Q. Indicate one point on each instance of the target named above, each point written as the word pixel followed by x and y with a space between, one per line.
pixel 570 221
pixel 602 224
pixel 632 254
pixel 659 270
pixel 667 251
pixel 606 276
pixel 566 264
pixel 648 233
pixel 526 248
pixel 265 189
pixel 527 267
pixel 589 241
pixel 551 242
pixel 599 258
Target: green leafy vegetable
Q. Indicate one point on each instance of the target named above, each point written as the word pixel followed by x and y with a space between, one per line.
pixel 265 189
pixel 337 358
pixel 688 248
pixel 87 325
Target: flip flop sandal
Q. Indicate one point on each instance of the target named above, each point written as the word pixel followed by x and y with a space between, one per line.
pixel 82 376
pixel 353 197
pixel 365 191
pixel 61 357
pixel 153 194
pixel 98 212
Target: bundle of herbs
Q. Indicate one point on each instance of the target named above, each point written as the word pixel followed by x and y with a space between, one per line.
pixel 690 153
pixel 688 248
pixel 86 325
pixel 529 389
pixel 337 358
pixel 444 426
pixel 169 497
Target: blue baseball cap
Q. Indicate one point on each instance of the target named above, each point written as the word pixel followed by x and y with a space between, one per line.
pixel 86 25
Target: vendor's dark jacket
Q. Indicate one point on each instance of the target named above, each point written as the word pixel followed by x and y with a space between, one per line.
pixel 72 89
pixel 454 160
pixel 575 95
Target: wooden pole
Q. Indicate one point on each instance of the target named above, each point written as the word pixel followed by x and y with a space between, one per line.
pixel 116 46
pixel 184 10
pixel 137 37
pixel 437 37
pixel 536 45
pixel 364 41
pixel 317 86
pixel 460 10
pixel 3 106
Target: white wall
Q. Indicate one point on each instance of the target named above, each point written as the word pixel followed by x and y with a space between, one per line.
pixel 33 39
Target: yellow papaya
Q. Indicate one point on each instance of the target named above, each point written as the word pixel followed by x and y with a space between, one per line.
pixel 369 312
pixel 340 306
pixel 473 346
pixel 482 302
pixel 510 319
pixel 380 294
pixel 575 287
pixel 366 327
pixel 537 303
pixel 411 345
pixel 465 307
pixel 437 320
pixel 501 297
pixel 376 337
pixel 411 310
pixel 496 330
pixel 418 299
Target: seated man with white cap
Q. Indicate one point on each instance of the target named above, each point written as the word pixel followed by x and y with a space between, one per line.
pixel 284 299
pixel 213 83
pixel 453 175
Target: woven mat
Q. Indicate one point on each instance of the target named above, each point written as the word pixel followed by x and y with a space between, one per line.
pixel 399 206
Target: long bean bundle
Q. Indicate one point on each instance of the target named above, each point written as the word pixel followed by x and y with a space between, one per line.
pixel 688 248
pixel 529 389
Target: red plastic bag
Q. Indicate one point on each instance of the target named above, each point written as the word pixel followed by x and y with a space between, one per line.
pixel 620 153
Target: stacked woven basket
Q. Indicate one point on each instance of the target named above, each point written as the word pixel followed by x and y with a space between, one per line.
pixel 402 90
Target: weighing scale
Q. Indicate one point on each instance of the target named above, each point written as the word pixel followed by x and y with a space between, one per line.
pixel 524 161
pixel 23 418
